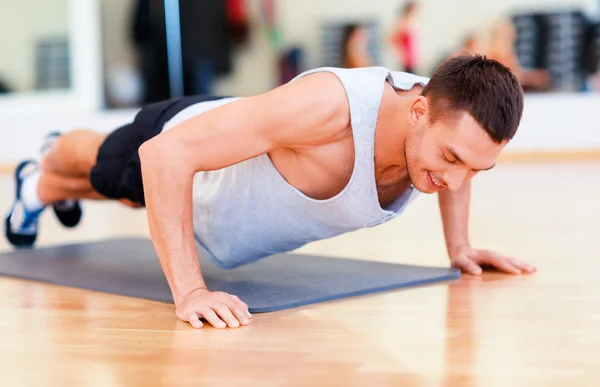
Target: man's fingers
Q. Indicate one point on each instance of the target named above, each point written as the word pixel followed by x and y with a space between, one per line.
pixel 214 320
pixel 240 313
pixel 525 267
pixel 225 313
pixel 239 310
pixel 501 263
pixel 240 303
pixel 194 320
pixel 466 265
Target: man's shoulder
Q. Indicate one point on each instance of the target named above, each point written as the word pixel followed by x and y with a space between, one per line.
pixel 343 73
pixel 373 74
pixel 406 81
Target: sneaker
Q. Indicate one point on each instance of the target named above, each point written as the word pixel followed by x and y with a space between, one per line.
pixel 68 212
pixel 20 225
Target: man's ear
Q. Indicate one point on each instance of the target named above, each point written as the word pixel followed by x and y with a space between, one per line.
pixel 419 109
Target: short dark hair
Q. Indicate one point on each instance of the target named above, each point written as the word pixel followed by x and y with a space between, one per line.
pixel 487 90
pixel 409 7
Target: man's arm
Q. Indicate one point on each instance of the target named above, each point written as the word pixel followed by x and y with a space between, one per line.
pixel 454 208
pixel 309 111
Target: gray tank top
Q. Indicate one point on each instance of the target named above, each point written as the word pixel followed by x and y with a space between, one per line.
pixel 248 211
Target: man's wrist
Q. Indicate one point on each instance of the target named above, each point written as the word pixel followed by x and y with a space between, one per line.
pixel 182 294
pixel 454 248
pixel 183 285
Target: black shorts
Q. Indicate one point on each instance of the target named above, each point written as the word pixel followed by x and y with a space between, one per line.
pixel 117 173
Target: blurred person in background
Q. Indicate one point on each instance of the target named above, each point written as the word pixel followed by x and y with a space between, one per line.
pixel 502 49
pixel 355 47
pixel 404 39
pixel 473 43
pixel 500 46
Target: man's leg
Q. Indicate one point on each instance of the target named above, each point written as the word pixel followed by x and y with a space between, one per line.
pixel 73 154
pixel 83 164
pixel 61 177
pixel 66 168
pixel 53 188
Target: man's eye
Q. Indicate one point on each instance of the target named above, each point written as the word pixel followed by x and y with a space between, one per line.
pixel 448 160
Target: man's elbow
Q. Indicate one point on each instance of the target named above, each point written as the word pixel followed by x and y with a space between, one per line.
pixel 162 153
pixel 148 153
pixel 144 150
pixel 155 149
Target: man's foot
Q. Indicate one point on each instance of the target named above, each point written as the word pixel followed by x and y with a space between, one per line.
pixel 20 225
pixel 68 212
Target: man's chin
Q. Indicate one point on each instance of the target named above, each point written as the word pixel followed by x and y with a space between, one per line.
pixel 419 184
pixel 424 186
pixel 425 190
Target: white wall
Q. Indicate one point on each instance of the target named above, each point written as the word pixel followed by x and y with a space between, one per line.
pixel 22 22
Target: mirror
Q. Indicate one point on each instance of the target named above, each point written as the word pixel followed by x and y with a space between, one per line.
pixel 35 46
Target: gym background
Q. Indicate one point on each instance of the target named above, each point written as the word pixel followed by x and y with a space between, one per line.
pixel 75 63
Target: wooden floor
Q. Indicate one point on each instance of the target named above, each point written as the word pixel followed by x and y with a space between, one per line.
pixel 496 330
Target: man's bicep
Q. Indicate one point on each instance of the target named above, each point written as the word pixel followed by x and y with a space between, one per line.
pixel 311 110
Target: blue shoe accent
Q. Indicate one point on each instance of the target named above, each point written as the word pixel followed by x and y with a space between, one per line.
pixel 48 141
pixel 20 226
pixel 68 212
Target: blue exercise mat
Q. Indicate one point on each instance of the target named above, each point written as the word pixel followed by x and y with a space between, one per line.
pixel 130 267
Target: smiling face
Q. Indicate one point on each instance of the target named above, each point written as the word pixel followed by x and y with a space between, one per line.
pixel 468 111
pixel 448 152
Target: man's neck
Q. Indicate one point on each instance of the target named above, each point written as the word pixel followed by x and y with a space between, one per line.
pixel 401 128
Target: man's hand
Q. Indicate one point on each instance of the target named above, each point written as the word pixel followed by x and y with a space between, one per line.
pixel 218 308
pixel 470 261
pixel 454 207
